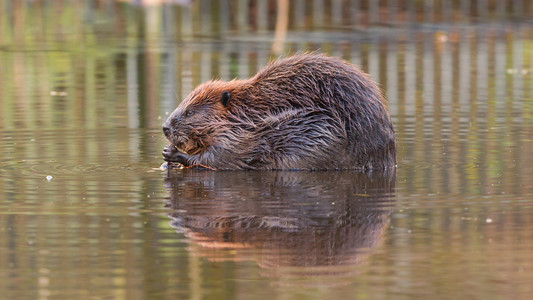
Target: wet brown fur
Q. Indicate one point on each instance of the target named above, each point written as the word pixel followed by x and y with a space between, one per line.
pixel 307 111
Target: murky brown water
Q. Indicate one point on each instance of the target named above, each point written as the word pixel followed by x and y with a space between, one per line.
pixel 84 88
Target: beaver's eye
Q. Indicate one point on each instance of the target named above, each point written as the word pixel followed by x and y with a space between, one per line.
pixel 189 113
pixel 225 98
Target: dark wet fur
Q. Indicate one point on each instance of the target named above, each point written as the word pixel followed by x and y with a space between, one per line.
pixel 307 111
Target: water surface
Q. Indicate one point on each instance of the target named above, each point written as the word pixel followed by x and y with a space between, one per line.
pixel 85 212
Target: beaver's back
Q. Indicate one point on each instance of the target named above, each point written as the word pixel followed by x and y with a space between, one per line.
pixel 349 101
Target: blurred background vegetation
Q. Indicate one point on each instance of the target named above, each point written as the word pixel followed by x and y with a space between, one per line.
pixel 130 62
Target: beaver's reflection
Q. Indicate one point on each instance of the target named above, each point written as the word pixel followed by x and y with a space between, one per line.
pixel 283 219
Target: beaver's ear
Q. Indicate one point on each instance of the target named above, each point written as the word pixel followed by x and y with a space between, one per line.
pixel 225 98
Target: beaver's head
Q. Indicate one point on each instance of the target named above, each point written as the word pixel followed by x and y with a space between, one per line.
pixel 193 125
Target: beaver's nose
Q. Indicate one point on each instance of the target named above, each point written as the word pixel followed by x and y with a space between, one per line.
pixel 166 130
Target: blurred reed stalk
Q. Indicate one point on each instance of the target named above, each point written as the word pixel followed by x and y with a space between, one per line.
pixel 282 22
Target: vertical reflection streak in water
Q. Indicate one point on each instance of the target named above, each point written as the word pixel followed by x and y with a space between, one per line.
pixel 89 111
pixel 195 19
pixel 495 116
pixel 243 24
pixel 355 54
pixel 435 103
pixel 409 107
pixel 500 79
pixel 465 8
pixel 445 9
pixel 21 106
pixel 243 61
pixel 411 71
pixel 518 5
pixel 205 65
pixel 205 9
pixel 439 123
pixel 373 58
pixel 486 108
pixel 482 78
pixel 428 81
pixel 464 154
pixel 261 17
pixel 186 72
pixel 168 62
pixel 223 17
pixel 410 13
pixel 422 145
pixel 336 14
pixel 482 8
pixel 179 69
pixel 335 48
pixel 354 12
pixel 391 67
pixel 382 45
pixel 464 75
pixel 252 67
pixel 393 15
pixel 373 12
pixel 517 71
pixel 457 121
pixel 473 144
pixel 446 86
pixel 525 156
pixel 168 81
pixel 196 68
pixel 398 117
pixel 224 63
pixel 318 14
pixel 186 24
pixel 262 57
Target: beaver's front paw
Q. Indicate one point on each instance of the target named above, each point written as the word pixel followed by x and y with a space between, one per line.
pixel 171 154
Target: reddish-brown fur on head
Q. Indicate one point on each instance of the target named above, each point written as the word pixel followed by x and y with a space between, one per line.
pixel 303 112
pixel 199 117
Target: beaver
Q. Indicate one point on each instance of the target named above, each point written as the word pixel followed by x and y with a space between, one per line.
pixel 304 112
